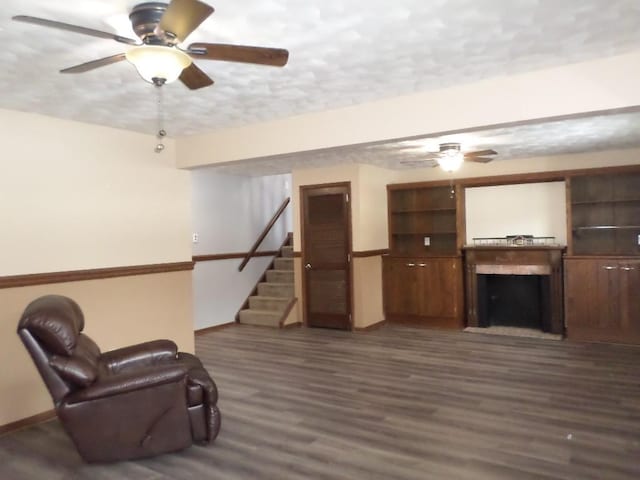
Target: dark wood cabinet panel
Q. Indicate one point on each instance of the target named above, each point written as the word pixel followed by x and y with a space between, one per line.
pixel 423 290
pixel 601 299
pixel 605 214
pixel 402 287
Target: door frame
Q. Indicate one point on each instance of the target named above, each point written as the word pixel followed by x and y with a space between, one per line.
pixel 320 186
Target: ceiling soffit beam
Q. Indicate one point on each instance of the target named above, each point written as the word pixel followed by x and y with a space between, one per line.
pixel 597 85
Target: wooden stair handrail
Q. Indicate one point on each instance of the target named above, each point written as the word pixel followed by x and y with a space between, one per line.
pixel 264 233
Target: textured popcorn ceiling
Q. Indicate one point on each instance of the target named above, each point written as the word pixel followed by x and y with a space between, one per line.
pixel 556 137
pixel 342 52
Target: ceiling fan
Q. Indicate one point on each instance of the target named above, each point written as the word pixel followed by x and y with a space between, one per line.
pixel 450 157
pixel 157 55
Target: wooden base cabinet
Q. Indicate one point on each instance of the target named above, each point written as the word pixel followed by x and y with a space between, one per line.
pixel 602 299
pixel 425 291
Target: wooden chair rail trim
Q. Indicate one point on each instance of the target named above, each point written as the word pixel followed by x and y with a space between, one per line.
pixel 264 233
pixel 357 254
pixel 28 280
pixel 370 253
pixel 229 256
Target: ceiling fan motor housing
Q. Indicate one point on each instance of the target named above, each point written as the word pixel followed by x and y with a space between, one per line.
pixel 449 148
pixel 145 19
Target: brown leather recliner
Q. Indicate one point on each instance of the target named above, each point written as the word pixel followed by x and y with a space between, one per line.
pixel 133 402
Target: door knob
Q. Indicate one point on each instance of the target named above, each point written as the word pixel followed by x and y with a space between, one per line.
pixel 308 266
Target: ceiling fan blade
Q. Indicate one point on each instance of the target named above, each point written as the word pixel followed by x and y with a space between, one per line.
pixel 74 28
pixel 478 159
pixel 183 16
pixel 102 62
pixel 276 57
pixel 480 153
pixel 195 78
pixel 419 163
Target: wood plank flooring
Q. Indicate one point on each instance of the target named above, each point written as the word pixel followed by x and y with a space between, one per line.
pixel 395 403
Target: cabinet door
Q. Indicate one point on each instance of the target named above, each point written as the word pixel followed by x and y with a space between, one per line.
pixel 427 291
pixel 440 278
pixel 594 290
pixel 630 298
pixel 401 287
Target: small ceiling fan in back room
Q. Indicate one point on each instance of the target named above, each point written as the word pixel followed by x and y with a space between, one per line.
pixel 157 55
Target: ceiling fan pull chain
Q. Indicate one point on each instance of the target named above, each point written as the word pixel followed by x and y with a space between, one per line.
pixel 161 131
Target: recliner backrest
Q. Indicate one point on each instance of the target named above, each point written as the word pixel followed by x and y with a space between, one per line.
pixel 50 328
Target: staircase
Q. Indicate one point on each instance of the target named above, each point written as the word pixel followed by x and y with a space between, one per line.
pixel 273 295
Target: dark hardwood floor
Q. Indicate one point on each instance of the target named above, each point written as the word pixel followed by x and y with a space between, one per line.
pixel 395 403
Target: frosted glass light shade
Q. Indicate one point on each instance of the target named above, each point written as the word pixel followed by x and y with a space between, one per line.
pixel 450 160
pixel 156 61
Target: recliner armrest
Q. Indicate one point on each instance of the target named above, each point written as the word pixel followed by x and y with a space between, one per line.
pixel 128 382
pixel 142 354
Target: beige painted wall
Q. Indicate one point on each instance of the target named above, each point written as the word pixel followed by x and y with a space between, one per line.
pixel 367 291
pixel 118 312
pixel 77 196
pixel 74 197
pixel 369 200
pixel 538 209
pixel 602 84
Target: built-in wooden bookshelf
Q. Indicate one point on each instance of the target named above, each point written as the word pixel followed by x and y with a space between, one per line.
pixel 422 220
pixel 602 270
pixel 605 214
pixel 423 272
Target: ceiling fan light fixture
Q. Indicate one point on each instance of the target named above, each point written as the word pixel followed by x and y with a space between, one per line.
pixel 158 62
pixel 451 157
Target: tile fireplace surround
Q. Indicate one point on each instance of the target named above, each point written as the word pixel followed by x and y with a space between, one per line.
pixel 516 260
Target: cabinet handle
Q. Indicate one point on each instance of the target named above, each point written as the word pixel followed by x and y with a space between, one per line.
pixel 411 264
pixel 608 267
pixel 422 264
pixel 626 269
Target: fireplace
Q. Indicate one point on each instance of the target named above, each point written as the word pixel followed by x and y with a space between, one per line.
pixel 519 286
pixel 514 301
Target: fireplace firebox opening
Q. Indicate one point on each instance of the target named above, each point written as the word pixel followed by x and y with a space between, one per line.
pixel 514 301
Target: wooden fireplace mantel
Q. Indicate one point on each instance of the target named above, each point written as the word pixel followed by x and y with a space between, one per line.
pixel 515 260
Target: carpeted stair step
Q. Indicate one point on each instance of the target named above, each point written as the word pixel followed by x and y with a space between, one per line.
pixel 280 276
pixel 265 318
pixel 286 252
pixel 272 289
pixel 272 304
pixel 282 263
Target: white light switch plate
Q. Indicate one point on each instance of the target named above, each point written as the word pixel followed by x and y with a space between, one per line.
pixel 427 241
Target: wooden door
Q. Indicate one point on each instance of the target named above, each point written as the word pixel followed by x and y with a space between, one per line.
pixel 326 221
